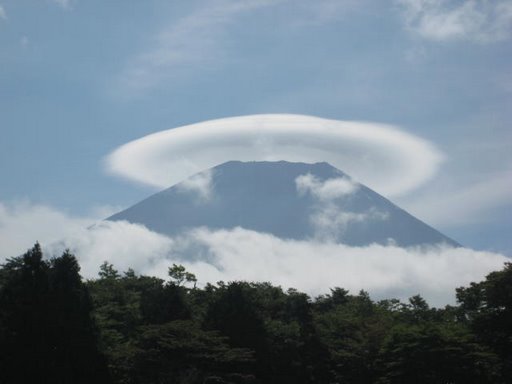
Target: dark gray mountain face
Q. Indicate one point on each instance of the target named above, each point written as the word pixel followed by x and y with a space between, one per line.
pixel 289 200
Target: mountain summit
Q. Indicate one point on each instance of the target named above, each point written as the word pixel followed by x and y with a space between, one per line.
pixel 288 200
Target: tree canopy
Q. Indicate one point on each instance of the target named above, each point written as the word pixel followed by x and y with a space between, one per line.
pixel 129 328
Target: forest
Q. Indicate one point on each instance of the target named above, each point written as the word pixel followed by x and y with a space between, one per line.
pixel 122 327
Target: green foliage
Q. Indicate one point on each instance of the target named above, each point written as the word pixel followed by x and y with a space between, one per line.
pixel 353 328
pixel 130 329
pixel 487 308
pixel 180 351
pixel 107 271
pixel 434 353
pixel 179 275
pixel 47 333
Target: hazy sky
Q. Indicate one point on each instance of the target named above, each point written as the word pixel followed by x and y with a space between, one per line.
pixel 79 78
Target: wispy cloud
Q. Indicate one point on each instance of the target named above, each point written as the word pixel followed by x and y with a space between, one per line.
pixel 328 218
pixel 66 4
pixel 24 41
pixel 3 14
pixel 201 185
pixel 321 12
pixel 458 205
pixel 383 157
pixel 330 221
pixel 473 20
pixel 191 42
pixel 200 41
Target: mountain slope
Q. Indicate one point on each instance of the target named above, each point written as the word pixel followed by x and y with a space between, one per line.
pixel 289 200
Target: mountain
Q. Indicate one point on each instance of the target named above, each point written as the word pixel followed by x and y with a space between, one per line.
pixel 289 200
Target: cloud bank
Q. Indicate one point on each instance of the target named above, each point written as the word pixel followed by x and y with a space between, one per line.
pixel 383 157
pixel 23 223
pixel 311 266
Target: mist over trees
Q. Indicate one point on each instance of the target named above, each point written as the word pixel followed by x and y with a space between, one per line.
pixel 127 328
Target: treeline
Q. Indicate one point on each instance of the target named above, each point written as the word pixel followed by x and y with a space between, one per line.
pixel 126 328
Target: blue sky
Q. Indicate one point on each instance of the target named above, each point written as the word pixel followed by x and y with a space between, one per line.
pixel 80 78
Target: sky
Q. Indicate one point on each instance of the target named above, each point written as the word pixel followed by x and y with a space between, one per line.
pixel 80 79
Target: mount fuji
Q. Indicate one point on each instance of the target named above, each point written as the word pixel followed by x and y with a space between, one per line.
pixel 289 200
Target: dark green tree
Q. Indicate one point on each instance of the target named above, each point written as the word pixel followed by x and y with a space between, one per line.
pixel 179 275
pixel 487 308
pixel 434 354
pixel 181 352
pixel 49 335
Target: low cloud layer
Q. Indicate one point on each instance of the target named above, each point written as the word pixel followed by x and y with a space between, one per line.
pixel 312 266
pixel 22 223
pixel 383 157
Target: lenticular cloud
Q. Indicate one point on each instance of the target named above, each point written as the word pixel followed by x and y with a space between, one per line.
pixel 383 157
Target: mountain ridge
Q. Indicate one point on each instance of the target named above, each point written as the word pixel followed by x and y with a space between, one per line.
pixel 289 200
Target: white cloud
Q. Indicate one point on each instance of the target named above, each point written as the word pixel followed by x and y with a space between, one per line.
pixel 311 266
pixel 329 219
pixel 383 157
pixel 239 254
pixel 200 184
pixel 123 244
pixel 315 266
pixel 329 189
pixel 3 14
pixel 23 223
pixel 474 20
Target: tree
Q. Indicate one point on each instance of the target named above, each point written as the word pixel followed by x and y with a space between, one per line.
pixel 179 275
pixel 181 352
pixel 235 315
pixel 107 271
pixel 353 328
pixel 48 331
pixel 434 353
pixel 487 308
pixel 163 303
